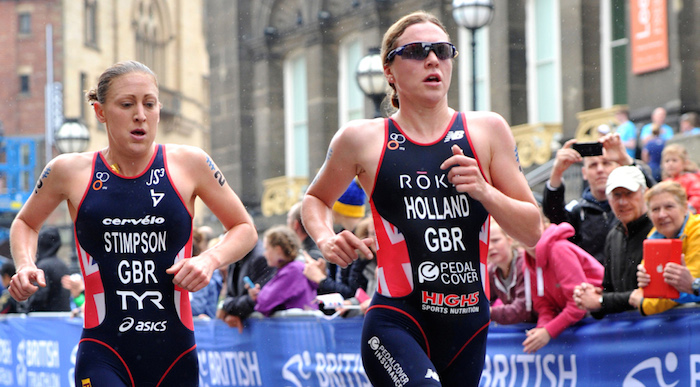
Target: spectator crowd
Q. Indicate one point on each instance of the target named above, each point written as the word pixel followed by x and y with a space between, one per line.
pixel 590 260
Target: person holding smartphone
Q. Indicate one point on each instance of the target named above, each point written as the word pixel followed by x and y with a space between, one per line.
pixel 591 215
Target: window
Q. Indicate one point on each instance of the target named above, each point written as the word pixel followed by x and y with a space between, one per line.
pixel 543 61
pixel 483 89
pixel 91 23
pixel 150 35
pixel 81 96
pixel 613 52
pixel 25 23
pixel 350 99
pixel 24 84
pixel 296 136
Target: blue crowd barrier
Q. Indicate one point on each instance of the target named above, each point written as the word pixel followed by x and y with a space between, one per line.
pixel 621 350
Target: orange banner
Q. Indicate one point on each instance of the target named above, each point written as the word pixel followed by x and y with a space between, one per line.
pixel 649 35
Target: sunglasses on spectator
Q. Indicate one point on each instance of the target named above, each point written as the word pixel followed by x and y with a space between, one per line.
pixel 421 50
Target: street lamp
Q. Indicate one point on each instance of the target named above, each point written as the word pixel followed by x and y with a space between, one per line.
pixel 370 78
pixel 72 136
pixel 472 15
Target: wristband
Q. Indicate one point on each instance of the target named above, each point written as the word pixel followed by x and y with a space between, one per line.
pixel 80 300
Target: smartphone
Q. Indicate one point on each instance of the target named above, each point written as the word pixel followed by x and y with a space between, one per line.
pixel 248 281
pixel 586 149
pixel 657 253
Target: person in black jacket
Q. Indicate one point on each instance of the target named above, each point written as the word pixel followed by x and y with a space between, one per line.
pixel 238 304
pixel 592 216
pixel 54 297
pixel 623 246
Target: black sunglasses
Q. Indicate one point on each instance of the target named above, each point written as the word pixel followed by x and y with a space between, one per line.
pixel 421 50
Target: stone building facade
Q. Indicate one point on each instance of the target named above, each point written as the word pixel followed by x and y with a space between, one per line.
pixel 88 37
pixel 281 76
pixel 23 63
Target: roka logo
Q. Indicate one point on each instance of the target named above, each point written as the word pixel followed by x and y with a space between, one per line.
pixel 428 271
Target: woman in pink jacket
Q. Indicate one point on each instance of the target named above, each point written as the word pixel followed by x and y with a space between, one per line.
pixel 555 266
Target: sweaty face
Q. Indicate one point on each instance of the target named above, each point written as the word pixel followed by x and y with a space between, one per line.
pixel 131 111
pixel 427 79
pixel 666 214
pixel 627 205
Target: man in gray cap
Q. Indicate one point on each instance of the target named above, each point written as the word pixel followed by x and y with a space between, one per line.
pixel 623 246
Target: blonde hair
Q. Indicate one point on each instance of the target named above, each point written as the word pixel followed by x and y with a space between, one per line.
pixel 670 187
pixel 285 238
pixel 679 151
pixel 99 94
pixel 394 33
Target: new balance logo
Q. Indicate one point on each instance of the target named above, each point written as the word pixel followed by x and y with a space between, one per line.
pixel 432 375
pixel 454 136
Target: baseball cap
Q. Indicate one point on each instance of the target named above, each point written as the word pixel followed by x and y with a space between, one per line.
pixel 629 177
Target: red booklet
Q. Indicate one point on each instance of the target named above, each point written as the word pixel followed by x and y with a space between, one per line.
pixel 657 253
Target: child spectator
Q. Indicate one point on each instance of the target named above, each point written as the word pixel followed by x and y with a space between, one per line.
pixel 555 267
pixel 679 168
pixel 289 288
pixel 507 280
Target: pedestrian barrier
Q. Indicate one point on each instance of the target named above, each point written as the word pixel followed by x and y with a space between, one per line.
pixel 310 350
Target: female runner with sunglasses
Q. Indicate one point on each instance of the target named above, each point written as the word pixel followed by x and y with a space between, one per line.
pixel 132 204
pixel 434 175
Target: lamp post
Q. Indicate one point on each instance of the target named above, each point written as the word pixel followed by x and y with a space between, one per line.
pixel 472 15
pixel 72 136
pixel 370 78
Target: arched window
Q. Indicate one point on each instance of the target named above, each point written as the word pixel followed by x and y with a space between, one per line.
pixel 150 34
pixel 296 119
pixel 91 23
pixel 543 61
pixel 483 89
pixel 350 97
pixel 613 52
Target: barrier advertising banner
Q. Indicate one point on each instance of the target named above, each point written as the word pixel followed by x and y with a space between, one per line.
pixel 624 350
